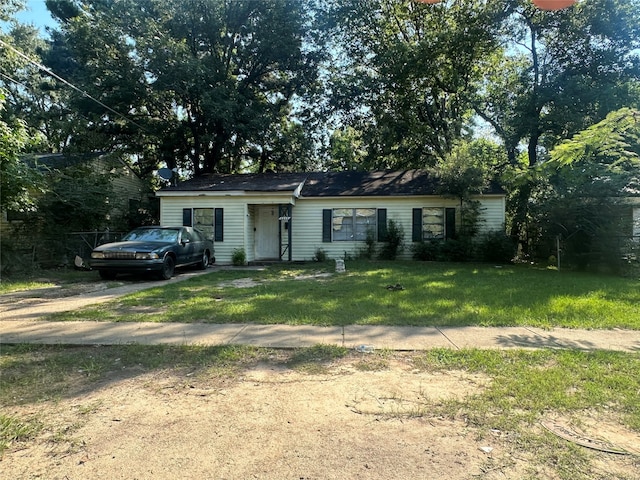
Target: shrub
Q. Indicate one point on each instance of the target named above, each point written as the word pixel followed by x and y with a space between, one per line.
pixel 239 257
pixel 394 241
pixel 455 250
pixel 425 251
pixel 320 256
pixel 369 251
pixel 496 247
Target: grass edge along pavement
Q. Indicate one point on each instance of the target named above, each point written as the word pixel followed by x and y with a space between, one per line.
pixel 385 293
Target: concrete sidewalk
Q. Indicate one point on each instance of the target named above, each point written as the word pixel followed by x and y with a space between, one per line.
pixel 26 324
pixel 286 336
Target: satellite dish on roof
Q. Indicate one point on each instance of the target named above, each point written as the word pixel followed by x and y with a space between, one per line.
pixel 165 173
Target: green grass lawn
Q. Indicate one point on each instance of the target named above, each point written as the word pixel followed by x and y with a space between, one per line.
pixel 432 294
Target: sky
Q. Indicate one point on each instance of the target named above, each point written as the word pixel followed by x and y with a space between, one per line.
pixel 37 14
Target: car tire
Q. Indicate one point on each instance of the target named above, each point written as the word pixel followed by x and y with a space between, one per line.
pixel 107 274
pixel 204 261
pixel 168 267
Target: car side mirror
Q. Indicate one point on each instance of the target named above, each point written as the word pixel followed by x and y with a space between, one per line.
pixel 185 241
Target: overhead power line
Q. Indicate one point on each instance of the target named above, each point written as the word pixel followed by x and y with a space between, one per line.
pixel 69 84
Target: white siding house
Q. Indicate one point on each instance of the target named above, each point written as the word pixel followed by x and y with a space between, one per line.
pixel 290 216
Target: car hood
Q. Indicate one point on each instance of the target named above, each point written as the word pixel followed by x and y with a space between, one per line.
pixel 132 246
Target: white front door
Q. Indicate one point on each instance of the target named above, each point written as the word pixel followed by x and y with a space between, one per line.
pixel 267 245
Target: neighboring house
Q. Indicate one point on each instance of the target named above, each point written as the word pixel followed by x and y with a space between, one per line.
pixel 128 194
pixel 290 216
pixel 129 190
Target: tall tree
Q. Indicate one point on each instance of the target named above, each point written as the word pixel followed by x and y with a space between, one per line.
pixel 192 84
pixel 405 71
pixel 559 72
pixel 556 74
pixel 18 181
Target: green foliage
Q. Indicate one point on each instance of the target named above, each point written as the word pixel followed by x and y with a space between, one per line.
pixel 394 241
pixel 369 250
pixel 213 93
pixel 404 76
pixel 18 181
pixel 495 247
pixel 426 251
pixel 239 257
pixel 585 201
pixel 320 255
pixel 468 168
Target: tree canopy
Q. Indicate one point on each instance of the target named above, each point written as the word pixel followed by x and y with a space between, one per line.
pixel 200 85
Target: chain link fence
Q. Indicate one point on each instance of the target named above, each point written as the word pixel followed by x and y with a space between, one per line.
pixel 23 253
pixel 618 254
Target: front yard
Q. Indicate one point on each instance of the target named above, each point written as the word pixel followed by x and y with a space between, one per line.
pixel 386 293
pixel 325 411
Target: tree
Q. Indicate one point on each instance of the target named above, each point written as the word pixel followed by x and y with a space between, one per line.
pixel 592 175
pixel 193 84
pixel 558 73
pixel 18 182
pixel 406 72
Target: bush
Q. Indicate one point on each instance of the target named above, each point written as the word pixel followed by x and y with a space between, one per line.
pixel 369 251
pixel 320 256
pixel 496 247
pixel 239 257
pixel 425 251
pixel 452 250
pixel 393 244
pixel 456 250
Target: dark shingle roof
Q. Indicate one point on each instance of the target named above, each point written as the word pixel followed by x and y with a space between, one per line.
pixel 364 184
pixel 250 182
pixel 324 184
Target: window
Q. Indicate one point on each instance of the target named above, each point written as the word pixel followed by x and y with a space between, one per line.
pixel 349 224
pixel 203 221
pixel 432 223
pixel 209 220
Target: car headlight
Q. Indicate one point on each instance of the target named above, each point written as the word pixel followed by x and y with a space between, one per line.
pixel 97 254
pixel 146 256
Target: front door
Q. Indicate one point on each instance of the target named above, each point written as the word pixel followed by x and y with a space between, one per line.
pixel 267 240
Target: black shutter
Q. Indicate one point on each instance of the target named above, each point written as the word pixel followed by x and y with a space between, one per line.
pixel 186 217
pixel 382 224
pixel 218 225
pixel 450 223
pixel 327 215
pixel 416 231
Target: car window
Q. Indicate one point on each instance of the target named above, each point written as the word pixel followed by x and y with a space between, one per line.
pixel 197 237
pixel 152 235
pixel 186 236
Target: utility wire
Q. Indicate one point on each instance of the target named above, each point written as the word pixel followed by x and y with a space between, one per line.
pixel 59 78
pixel 7 77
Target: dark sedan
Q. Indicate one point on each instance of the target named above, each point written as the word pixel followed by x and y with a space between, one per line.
pixel 153 249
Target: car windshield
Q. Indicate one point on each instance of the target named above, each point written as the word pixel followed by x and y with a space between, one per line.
pixel 152 235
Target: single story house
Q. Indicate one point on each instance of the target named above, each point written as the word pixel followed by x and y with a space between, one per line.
pixel 290 216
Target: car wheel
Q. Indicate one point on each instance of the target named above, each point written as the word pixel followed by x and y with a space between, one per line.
pixel 107 274
pixel 168 267
pixel 204 262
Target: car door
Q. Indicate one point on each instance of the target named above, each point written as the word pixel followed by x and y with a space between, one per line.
pixel 185 248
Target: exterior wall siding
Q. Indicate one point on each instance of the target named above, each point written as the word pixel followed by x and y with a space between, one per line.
pixel 306 222
pixel 239 218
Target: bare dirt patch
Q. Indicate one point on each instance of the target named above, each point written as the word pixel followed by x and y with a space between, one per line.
pixel 270 422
